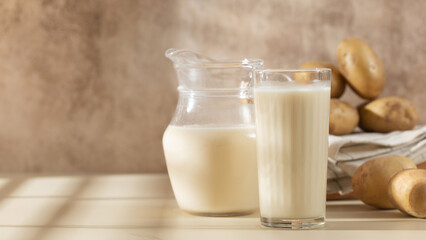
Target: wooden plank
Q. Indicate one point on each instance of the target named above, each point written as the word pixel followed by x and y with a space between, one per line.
pixel 143 207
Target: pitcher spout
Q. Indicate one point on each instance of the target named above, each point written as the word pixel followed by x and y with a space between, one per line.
pixel 186 57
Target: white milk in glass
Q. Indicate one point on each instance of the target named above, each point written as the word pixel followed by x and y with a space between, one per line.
pixel 292 138
pixel 212 169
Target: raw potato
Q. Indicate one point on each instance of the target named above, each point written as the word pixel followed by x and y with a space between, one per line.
pixel 370 181
pixel 388 114
pixel 343 117
pixel 361 67
pixel 422 165
pixel 338 82
pixel 407 192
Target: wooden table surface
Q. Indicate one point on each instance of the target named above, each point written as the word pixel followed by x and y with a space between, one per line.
pixel 143 207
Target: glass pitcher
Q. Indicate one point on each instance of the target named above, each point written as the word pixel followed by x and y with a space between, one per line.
pixel 210 144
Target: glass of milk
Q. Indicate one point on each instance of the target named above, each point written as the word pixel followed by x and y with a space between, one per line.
pixel 292 111
pixel 210 143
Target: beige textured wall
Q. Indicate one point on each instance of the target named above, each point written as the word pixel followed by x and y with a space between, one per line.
pixel 85 87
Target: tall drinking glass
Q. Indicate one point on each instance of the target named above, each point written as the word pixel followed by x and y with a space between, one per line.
pixel 292 111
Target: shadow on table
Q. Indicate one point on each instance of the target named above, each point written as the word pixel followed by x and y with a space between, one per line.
pixel 68 208
pixel 359 210
pixel 15 183
pixel 376 225
pixel 354 215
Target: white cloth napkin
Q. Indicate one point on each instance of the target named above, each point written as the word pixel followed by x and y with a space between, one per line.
pixel 346 153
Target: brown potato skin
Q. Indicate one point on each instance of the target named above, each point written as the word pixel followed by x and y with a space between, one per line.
pixel 351 195
pixel 388 114
pixel 343 117
pixel 370 181
pixel 407 192
pixel 337 196
pixel 362 67
pixel 422 165
pixel 338 82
